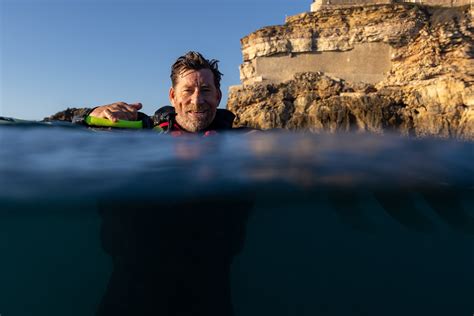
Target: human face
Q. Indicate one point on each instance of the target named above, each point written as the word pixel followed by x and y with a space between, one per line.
pixel 195 99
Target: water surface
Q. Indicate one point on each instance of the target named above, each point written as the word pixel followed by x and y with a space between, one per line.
pixel 272 223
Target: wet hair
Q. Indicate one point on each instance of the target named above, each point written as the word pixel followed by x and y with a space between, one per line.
pixel 195 61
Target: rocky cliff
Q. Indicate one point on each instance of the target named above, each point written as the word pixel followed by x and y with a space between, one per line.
pixel 397 67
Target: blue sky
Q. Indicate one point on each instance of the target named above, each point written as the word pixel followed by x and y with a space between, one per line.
pixel 72 53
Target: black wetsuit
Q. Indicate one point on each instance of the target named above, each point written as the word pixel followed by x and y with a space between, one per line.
pixel 172 259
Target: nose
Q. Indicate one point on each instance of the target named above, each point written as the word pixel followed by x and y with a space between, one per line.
pixel 197 97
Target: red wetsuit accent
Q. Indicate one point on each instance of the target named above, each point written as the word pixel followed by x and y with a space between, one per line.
pixel 178 131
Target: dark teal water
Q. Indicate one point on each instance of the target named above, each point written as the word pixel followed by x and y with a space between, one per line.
pixel 267 224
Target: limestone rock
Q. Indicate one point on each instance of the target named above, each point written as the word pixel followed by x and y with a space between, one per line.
pixel 425 88
pixel 67 115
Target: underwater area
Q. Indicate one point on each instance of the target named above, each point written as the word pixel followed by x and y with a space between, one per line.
pixel 277 223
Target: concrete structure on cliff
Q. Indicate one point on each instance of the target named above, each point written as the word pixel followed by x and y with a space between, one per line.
pixel 276 54
pixel 320 4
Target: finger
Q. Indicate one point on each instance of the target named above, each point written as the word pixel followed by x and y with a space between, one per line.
pixel 126 114
pixel 110 115
pixel 100 110
pixel 125 109
pixel 137 106
pixel 130 112
pixel 129 108
pixel 118 104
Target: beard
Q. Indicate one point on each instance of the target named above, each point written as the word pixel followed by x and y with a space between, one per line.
pixel 195 123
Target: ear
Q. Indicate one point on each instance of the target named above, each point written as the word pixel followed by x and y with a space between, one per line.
pixel 219 96
pixel 171 95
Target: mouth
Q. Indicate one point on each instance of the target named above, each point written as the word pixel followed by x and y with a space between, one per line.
pixel 198 114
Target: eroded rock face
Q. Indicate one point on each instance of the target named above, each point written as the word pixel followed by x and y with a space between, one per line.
pixel 428 89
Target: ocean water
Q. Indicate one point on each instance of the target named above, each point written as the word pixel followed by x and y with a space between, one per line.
pixel 135 223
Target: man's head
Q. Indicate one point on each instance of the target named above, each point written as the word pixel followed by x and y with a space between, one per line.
pixel 195 91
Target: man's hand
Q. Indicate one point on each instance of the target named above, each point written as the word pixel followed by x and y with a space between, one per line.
pixel 117 111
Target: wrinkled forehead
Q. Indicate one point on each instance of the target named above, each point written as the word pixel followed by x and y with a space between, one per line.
pixel 193 76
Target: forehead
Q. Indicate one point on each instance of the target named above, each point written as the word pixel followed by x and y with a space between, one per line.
pixel 196 77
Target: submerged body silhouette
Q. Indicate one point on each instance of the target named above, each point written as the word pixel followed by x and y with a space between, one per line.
pixel 172 259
